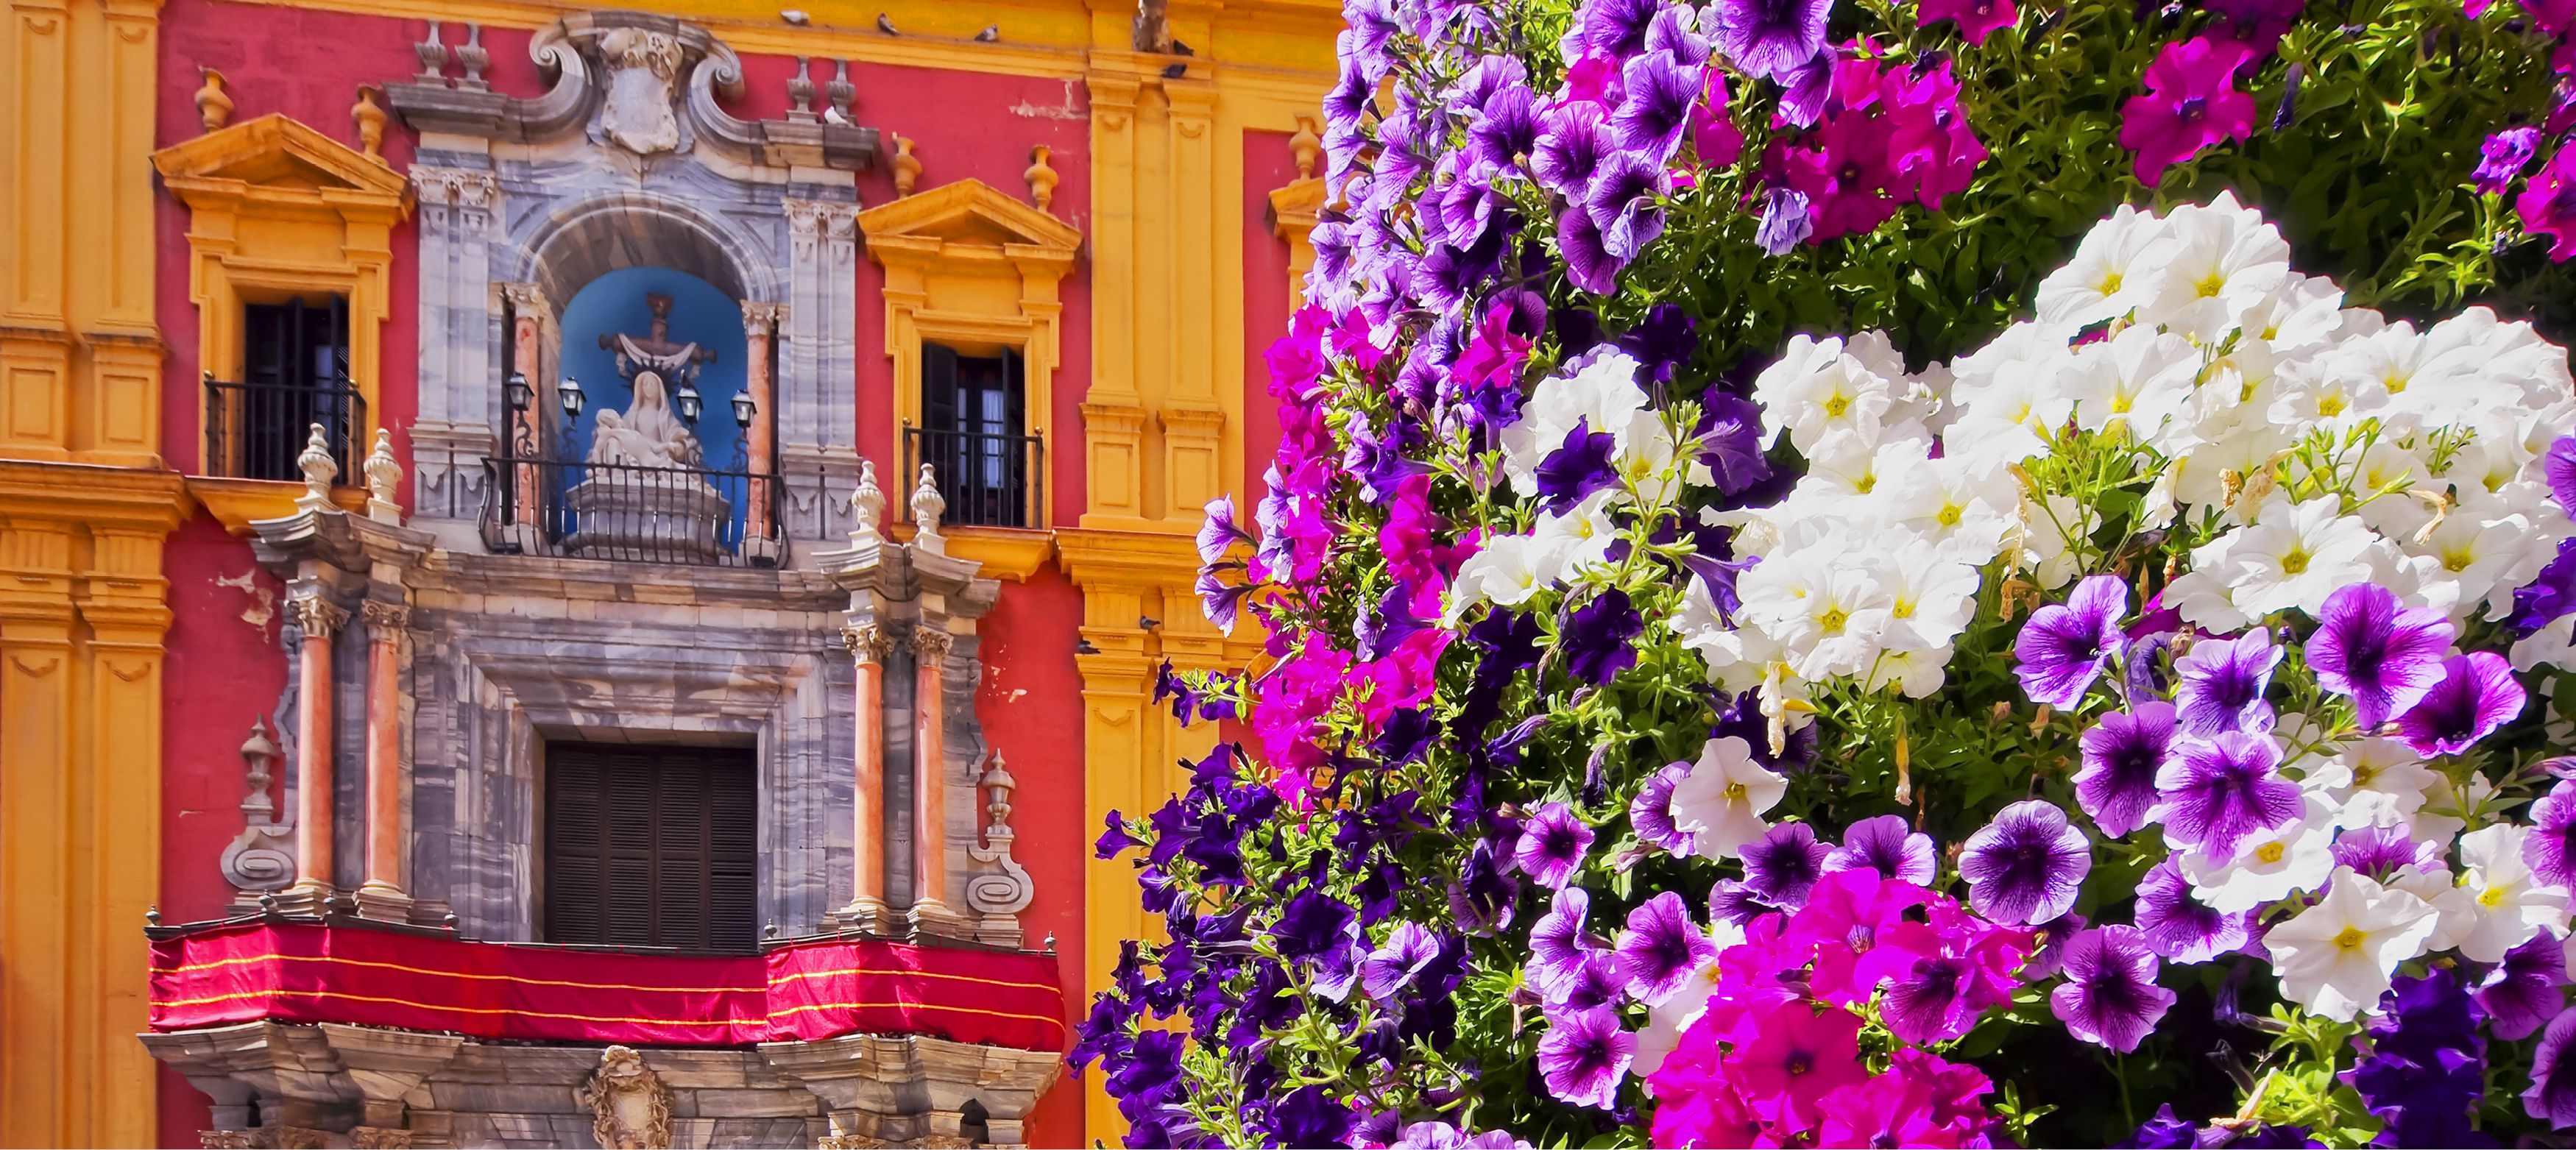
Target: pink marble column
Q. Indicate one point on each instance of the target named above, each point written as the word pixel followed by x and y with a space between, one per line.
pixel 930 782
pixel 868 648
pixel 526 359
pixel 759 329
pixel 313 791
pixel 381 896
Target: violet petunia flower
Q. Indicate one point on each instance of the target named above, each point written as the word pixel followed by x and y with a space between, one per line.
pixel 1552 846
pixel 2477 694
pixel 1767 39
pixel 1659 92
pixel 2378 852
pixel 1113 841
pixel 2527 989
pixel 2385 656
pixel 2122 753
pixel 1617 28
pixel 1651 812
pixel 1577 468
pixel 2191 102
pixel 1661 949
pixel 1571 143
pixel 1218 533
pixel 1583 1057
pixel 1730 901
pixel 2223 681
pixel 1599 637
pixel 2180 927
pixel 1730 431
pixel 1785 222
pixel 2223 791
pixel 1392 967
pixel 1625 202
pixel 1596 983
pixel 1883 844
pixel 2550 849
pixel 2502 158
pixel 1219 601
pixel 1508 128
pixel 2027 865
pixel 1784 864
pixel 2552 1096
pixel 2558 468
pixel 1557 942
pixel 2110 997
pixel 1589 264
pixel 2065 645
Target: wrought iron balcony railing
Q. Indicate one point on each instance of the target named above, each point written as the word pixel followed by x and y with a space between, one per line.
pixel 634 514
pixel 256 430
pixel 989 479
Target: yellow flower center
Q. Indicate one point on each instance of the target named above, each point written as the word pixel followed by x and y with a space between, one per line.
pixel 2295 562
pixel 1950 514
pixel 2351 938
pixel 1735 792
pixel 1836 404
pixel 2110 282
pixel 2330 405
pixel 2491 898
pixel 2271 852
pixel 1833 619
pixel 2456 561
pixel 2210 285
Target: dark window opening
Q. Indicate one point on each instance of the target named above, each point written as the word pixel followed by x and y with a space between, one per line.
pixel 295 374
pixel 974 434
pixel 651 846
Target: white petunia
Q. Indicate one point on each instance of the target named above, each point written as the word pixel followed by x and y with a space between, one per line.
pixel 2270 866
pixel 2499 904
pixel 1577 543
pixel 2335 958
pixel 1601 394
pixel 1816 392
pixel 1930 596
pixel 1721 801
pixel 2221 261
pixel 2114 269
pixel 1964 508
pixel 2296 554
pixel 2139 380
pixel 2372 782
pixel 1507 570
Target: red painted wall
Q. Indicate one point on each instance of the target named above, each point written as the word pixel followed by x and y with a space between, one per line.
pixel 1268 163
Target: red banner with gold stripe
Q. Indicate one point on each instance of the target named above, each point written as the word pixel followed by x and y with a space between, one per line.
pixel 813 990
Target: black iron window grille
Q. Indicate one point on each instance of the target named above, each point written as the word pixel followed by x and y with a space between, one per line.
pixel 974 437
pixel 295 374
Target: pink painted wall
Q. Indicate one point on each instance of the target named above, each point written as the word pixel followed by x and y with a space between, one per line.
pixel 1268 164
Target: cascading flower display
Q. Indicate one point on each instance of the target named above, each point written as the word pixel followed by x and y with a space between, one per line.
pixel 1870 575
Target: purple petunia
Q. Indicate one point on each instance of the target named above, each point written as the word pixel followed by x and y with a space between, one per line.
pixel 2502 158
pixel 1617 28
pixel 1784 864
pixel 2558 467
pixel 1572 141
pixel 2065 645
pixel 2027 865
pixel 2180 927
pixel 2552 1097
pixel 1785 222
pixel 2122 753
pixel 1598 638
pixel 2220 792
pixel 1883 844
pixel 1577 468
pixel 1768 39
pixel 1552 846
pixel 2223 682
pixel 1660 948
pixel 2527 989
pixel 1584 1055
pixel 1655 110
pixel 2550 849
pixel 1557 945
pixel 1392 967
pixel 2477 694
pixel 2110 997
pixel 1651 812
pixel 1626 203
pixel 2382 655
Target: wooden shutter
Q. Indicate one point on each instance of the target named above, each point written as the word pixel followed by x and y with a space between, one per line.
pixel 651 846
pixel 939 408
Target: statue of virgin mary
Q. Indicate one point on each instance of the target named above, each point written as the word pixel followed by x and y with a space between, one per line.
pixel 647 434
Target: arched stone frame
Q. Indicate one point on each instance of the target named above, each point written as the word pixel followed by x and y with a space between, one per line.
pixel 278 210
pixel 966 264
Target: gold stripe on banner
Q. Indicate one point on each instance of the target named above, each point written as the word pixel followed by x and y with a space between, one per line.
pixel 373 965
pixel 344 995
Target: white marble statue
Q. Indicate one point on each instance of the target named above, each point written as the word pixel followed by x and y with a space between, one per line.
pixel 647 434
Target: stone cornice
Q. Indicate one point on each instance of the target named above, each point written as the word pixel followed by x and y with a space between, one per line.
pixel 80 494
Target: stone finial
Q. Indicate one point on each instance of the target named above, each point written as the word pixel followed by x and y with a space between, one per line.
pixel 1042 179
pixel 370 119
pixel 927 506
pixel 384 474
pixel 475 58
pixel 841 92
pixel 800 95
pixel 319 470
pixel 1306 146
pixel 907 167
pixel 867 508
pixel 999 786
pixel 433 58
pixel 214 107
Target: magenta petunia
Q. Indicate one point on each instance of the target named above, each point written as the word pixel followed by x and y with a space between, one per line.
pixel 2385 656
pixel 2476 695
pixel 2191 103
pixel 2122 753
pixel 1977 19
pixel 1796 1057
pixel 2547 204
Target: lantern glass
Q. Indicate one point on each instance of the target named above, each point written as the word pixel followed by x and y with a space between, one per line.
pixel 570 392
pixel 519 394
pixel 743 410
pixel 689 404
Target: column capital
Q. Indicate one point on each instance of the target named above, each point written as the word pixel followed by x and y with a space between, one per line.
pixel 762 318
pixel 931 643
pixel 867 642
pixel 317 615
pixel 525 297
pixel 386 620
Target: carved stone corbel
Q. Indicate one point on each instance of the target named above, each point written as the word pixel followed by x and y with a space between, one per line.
pixel 630 1107
pixel 261 858
pixel 1000 893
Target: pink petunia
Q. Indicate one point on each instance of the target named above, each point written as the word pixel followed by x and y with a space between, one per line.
pixel 1977 19
pixel 2191 102
pixel 2548 204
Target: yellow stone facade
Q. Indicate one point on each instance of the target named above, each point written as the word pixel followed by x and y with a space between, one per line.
pixel 85 500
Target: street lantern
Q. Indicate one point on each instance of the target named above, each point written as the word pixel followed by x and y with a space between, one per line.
pixel 743 410
pixel 519 394
pixel 571 393
pixel 689 403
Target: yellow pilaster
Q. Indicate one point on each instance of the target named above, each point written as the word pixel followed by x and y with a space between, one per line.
pixel 83 612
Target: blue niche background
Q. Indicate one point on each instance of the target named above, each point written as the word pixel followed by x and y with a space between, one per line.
pixel 700 314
